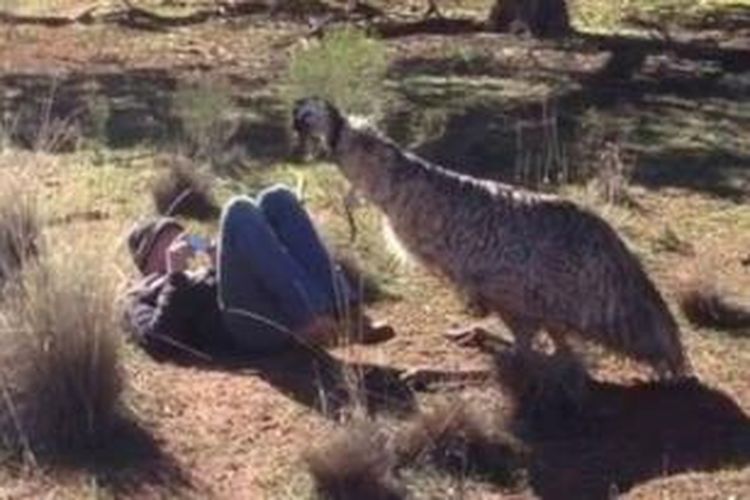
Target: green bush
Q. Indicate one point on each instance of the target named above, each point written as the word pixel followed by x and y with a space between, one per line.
pixel 346 67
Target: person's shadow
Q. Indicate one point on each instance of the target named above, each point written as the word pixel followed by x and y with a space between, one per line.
pixel 321 381
pixel 328 384
pixel 592 439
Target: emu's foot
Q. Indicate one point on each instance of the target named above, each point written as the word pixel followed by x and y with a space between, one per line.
pixel 468 336
pixel 480 335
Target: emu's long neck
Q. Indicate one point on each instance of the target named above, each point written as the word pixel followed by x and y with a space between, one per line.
pixel 389 177
pixel 370 163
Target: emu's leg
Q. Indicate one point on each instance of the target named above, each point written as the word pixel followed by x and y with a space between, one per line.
pixel 523 330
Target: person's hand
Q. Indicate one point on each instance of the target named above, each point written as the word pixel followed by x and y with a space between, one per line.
pixel 179 254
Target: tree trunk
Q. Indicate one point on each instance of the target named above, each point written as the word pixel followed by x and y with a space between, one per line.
pixel 541 18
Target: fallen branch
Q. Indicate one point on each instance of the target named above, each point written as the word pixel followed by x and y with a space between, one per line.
pixel 84 17
pixel 132 15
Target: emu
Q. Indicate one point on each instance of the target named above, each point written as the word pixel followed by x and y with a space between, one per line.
pixel 538 261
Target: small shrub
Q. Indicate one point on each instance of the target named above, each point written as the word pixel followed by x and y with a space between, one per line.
pixel 354 462
pixel 463 438
pixel 19 229
pixel 704 304
pixel 182 190
pixel 97 119
pixel 60 378
pixel 346 67
pixel 601 158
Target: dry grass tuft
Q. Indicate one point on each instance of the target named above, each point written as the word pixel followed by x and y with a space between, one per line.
pixel 463 438
pixel 182 190
pixel 61 379
pixel 19 229
pixel 543 389
pixel 704 304
pixel 355 462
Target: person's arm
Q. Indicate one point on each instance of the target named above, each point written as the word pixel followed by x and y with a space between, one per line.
pixel 156 313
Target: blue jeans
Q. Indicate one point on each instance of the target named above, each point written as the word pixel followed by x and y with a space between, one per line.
pixel 274 273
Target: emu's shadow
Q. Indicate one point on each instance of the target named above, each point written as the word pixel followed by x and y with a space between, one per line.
pixel 611 437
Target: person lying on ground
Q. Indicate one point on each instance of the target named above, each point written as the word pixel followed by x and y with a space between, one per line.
pixel 269 284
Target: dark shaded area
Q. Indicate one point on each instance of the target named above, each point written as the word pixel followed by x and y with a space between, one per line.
pixel 131 463
pixel 428 26
pixel 590 438
pixel 125 109
pixel 541 18
pixel 534 143
pixel 138 105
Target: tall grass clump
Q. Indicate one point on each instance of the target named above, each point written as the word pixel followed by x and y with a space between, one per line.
pixel 181 189
pixel 463 438
pixel 354 462
pixel 346 67
pixel 19 229
pixel 705 304
pixel 60 379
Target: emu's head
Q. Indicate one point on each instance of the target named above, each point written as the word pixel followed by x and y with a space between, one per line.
pixel 316 119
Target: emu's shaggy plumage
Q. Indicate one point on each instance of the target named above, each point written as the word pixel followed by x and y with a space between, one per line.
pixel 538 261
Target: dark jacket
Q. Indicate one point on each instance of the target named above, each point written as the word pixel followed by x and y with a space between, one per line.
pixel 177 315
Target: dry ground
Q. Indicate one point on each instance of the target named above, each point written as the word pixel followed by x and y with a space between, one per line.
pixel 239 431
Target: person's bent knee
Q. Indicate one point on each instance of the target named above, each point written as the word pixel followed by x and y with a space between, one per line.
pixel 277 198
pixel 238 210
